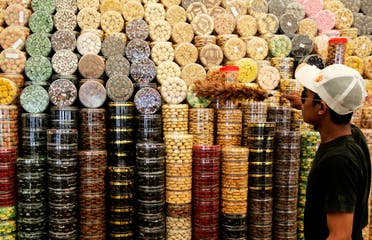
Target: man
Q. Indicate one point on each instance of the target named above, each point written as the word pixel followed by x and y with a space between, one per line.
pixel 339 179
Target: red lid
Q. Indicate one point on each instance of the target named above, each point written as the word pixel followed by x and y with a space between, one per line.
pixel 338 40
pixel 229 69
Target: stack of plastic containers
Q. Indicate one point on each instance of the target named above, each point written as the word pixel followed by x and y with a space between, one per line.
pixel 92 171
pixel 150 167
pixel 253 112
pixel 178 195
pixel 206 179
pixel 284 66
pixel 175 118
pixel 281 115
pixel 121 152
pixel 309 144
pixel 8 157
pixel 234 192
pixel 149 128
pixel 32 205
pixel 229 127
pixel 201 125
pixel 286 173
pixel 260 141
pixel 62 152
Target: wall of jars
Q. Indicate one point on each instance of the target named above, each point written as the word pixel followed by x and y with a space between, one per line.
pixel 163 119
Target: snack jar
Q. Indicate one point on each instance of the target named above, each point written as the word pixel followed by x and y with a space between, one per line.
pixel 231 73
pixel 336 51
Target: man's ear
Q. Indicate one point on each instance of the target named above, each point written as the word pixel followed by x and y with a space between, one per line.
pixel 322 108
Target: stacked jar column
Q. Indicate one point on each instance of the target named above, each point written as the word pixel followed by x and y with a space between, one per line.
pixel 149 128
pixel 31 173
pixel 260 141
pixel 206 180
pixel 62 169
pixel 229 127
pixel 281 115
pixel 253 112
pixel 8 157
pixel 201 125
pixel 121 151
pixel 286 173
pixel 310 141
pixel 151 190
pixel 178 149
pixel 92 171
pixel 234 192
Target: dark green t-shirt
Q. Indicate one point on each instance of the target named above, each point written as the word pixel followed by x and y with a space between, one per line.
pixel 339 181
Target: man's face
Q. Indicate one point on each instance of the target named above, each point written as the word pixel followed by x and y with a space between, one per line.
pixel 309 107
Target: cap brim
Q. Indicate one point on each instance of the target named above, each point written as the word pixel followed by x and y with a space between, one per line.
pixel 306 75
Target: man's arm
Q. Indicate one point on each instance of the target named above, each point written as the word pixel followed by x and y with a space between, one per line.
pixel 294 98
pixel 340 226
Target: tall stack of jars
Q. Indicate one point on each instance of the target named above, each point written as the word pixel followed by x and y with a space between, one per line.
pixel 229 127
pixel 260 141
pixel 150 167
pixel 234 192
pixel 62 152
pixel 8 157
pixel 178 150
pixel 286 173
pixel 201 121
pixel 206 180
pixel 309 144
pixel 31 173
pixel 281 115
pixel 253 112
pixel 92 170
pixel 121 152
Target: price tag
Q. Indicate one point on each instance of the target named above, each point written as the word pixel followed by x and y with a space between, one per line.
pixel 12 55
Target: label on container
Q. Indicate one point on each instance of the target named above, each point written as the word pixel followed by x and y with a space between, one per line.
pixel 11 55
pixel 21 16
pixel 302 45
pixel 234 11
pixel 18 43
pixel 289 24
pixel 260 49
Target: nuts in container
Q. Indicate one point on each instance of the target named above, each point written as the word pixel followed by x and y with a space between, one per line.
pixel 88 18
pixel 195 9
pixel 88 43
pixel 161 52
pixel 143 70
pixel 160 30
pixel 193 72
pixel 234 49
pixel 185 53
pixel 182 32
pixel 257 48
pixel 154 12
pixel 137 28
pixel 175 14
pixel 211 55
pixel 112 21
pixel 246 26
pixel 132 10
pixel 167 69
pixel 173 90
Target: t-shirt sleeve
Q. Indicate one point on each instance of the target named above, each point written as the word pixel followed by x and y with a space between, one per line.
pixel 341 181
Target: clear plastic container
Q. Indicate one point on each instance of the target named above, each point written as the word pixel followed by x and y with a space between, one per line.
pixel 336 51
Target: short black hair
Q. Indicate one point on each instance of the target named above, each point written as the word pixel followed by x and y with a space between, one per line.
pixel 335 117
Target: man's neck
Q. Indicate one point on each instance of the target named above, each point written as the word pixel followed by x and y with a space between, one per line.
pixel 332 131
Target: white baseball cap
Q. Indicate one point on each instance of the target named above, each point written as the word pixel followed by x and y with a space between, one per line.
pixel 340 87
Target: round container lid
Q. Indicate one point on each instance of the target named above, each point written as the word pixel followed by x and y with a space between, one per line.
pixel 119 88
pixel 92 94
pixel 34 99
pixel 338 40
pixel 62 92
pixel 147 100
